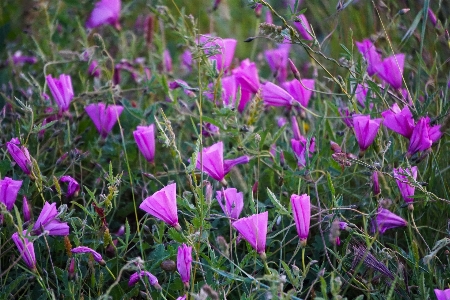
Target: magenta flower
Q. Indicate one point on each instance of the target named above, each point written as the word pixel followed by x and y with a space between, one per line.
pixel 365 130
pixel 391 70
pixel 8 191
pixel 186 60
pixel 278 61
pixel 210 129
pixel 26 249
pixel 303 27
pixel 163 205
pixel 229 90
pixel 400 121
pixel 94 70
pixel 72 188
pixel 402 176
pixel 386 220
pixel 347 117
pixel 135 277
pixel 300 150
pixel 375 183
pixel 254 230
pixel 301 91
pixel 231 201
pixel 19 59
pixel 361 93
pixel 104 117
pixel 301 209
pixel 281 121
pixel 97 256
pixel 167 61
pixel 105 12
pixel 273 95
pixel 184 262
pixel 62 90
pixel 247 76
pixel 423 136
pixel 26 210
pixel 47 221
pixel 442 294
pixel 145 140
pixel 226 48
pixel 182 297
pixel 20 155
pixel 370 54
pixel 295 129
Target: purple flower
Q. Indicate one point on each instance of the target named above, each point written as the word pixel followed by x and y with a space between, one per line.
pixel 97 256
pixel 186 60
pixel 182 297
pixel 8 191
pixel 400 121
pixel 299 148
pixel 229 89
pixel 163 205
pixel 254 230
pixel 423 136
pixel 402 178
pixel 442 294
pixel 104 117
pixel 347 117
pixel 19 59
pixel 135 277
pixel 295 129
pixel 365 130
pixel 47 221
pixel 210 130
pixel 20 155
pixel 247 76
pixel 301 91
pixel 231 201
pixel 433 19
pixel 72 188
pixel 301 209
pixel 26 210
pixel 386 220
pixel 361 93
pixel 26 249
pixel 145 140
pixel 391 70
pixel 94 70
pixel 303 27
pixel 61 89
pixel 375 183
pixel 370 54
pixel 226 48
pixel 184 262
pixel 278 61
pixel 281 121
pixel 273 95
pixel 105 12
pixel 167 61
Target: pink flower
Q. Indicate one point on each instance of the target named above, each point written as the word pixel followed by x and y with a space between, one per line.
pixel 97 256
pixel 135 277
pixel 20 155
pixel 361 93
pixel 184 262
pixel 273 95
pixel 145 140
pixel 301 91
pixel 365 130
pixel 402 178
pixel 163 205
pixel 254 230
pixel 72 188
pixel 94 70
pixel 303 27
pixel 26 249
pixel 104 117
pixel 186 60
pixel 26 210
pixel 247 76
pixel 232 202
pixel 370 54
pixel 8 191
pixel 278 61
pixel 400 121
pixel 226 48
pixel 391 70
pixel 300 150
pixel 61 89
pixel 167 61
pixel 375 183
pixel 105 12
pixel 423 136
pixel 301 209
pixel 386 220
pixel 442 294
pixel 48 221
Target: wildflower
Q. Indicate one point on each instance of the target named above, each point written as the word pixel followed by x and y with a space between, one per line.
pixel 301 91
pixel 370 54
pixel 232 202
pixel 299 148
pixel 400 121
pixel 97 256
pixel 134 278
pixel 386 220
pixel 301 209
pixel 184 262
pixel 247 76
pixel 365 130
pixel 47 221
pixel 105 12
pixel 229 89
pixel 273 95
pixel 26 210
pixel 423 136
pixel 361 93
pixel 163 205
pixel 20 155
pixel 186 60
pixel 145 140
pixel 347 117
pixel 61 89
pixel 391 70
pixel 94 70
pixel 433 19
pixel 226 48
pixel 401 177
pixel 254 230
pixel 295 129
pixel 210 129
pixel 26 249
pixel 71 270
pixel 375 183
pixel 8 191
pixel 19 59
pixel 104 117
pixel 303 27
pixel 167 60
pixel 72 188
pixel 278 61
pixel 281 121
pixel 442 294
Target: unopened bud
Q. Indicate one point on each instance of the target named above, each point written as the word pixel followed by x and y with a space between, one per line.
pixel 403 11
pixel 71 270
pixel 294 69
pixel 26 210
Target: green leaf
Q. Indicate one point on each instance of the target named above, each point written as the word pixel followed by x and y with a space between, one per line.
pixel 276 203
pixel 413 26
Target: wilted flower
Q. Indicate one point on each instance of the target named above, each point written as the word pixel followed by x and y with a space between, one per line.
pixel 184 262
pixel 134 278
pixel 303 27
pixel 254 230
pixel 104 117
pixel 20 155
pixel 231 201
pixel 26 249
pixel 26 210
pixel 72 188
pixel 145 140
pixel 301 91
pixel 273 95
pixel 105 12
pixel 370 54
pixel 423 136
pixel 278 61
pixel 8 191
pixel 401 177
pixel 442 294
pixel 400 121
pixel 386 220
pixel 365 130
pixel 47 221
pixel 61 89
pixel 97 256
pixel 163 205
pixel 301 209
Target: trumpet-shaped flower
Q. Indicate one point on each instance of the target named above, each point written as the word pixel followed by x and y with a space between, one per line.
pixel 277 60
pixel 386 220
pixel 226 48
pixel 231 201
pixel 303 27
pixel 301 91
pixel 301 209
pixel 184 262
pixel 402 178
pixel 145 140
pixel 391 70
pixel 442 294
pixel 83 249
pixel 105 12
pixel 254 230
pixel 26 249
pixel 104 117
pixel 247 76
pixel 423 136
pixel 62 90
pixel 26 210
pixel 47 221
pixel 72 188
pixel 365 130
pixel 370 54
pixel 8 191
pixel 300 150
pixel 163 205
pixel 273 95
pixel 135 277
pixel 400 121
pixel 20 155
